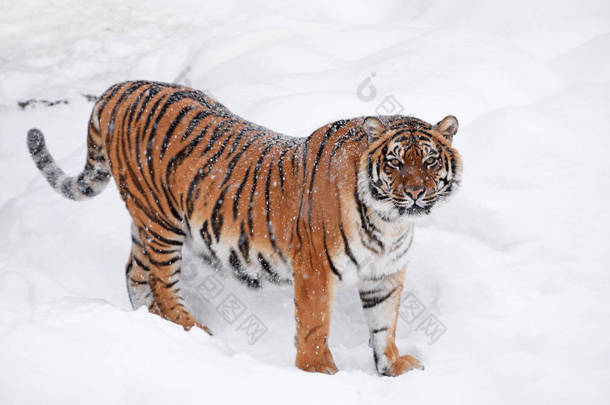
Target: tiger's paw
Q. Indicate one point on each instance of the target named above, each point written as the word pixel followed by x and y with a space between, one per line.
pixel 319 368
pixel 182 317
pixel 401 365
pixel 322 363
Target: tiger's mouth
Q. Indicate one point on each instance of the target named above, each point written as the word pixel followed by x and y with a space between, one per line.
pixel 407 206
pixel 401 206
pixel 413 211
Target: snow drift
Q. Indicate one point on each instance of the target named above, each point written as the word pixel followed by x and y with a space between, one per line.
pixel 512 271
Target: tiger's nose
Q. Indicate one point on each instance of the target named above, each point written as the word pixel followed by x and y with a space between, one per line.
pixel 415 192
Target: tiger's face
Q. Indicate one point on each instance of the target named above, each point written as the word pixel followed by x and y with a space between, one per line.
pixel 410 165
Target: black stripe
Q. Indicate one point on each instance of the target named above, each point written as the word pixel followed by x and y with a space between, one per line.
pixel 138 282
pixel 365 224
pixel 397 242
pixel 207 238
pixel 304 159
pixel 171 284
pixel 167 262
pixel 293 160
pixel 136 242
pixel 280 167
pixel 234 261
pixel 348 250
pixel 97 158
pixel 240 135
pixel 134 108
pixel 304 178
pixel 268 269
pixel 154 216
pixel 219 131
pixel 205 234
pixel 140 264
pixel 331 130
pixel 376 300
pixel 204 170
pixel 109 95
pixel 182 155
pixel 235 159
pixel 177 159
pixel 165 240
pixel 201 98
pixel 238 194
pixel 217 217
pixel 133 175
pixel 142 135
pixel 372 182
pixel 163 251
pixel 194 122
pixel 312 331
pixel 125 150
pixel 270 231
pixel 399 136
pixel 172 128
pixel 349 136
pixel 244 243
pixel 401 254
pixel 152 92
pixel 129 266
pixel 171 100
pixel 239 272
pixel 369 292
pixel 330 261
pixel 129 91
pixel 257 168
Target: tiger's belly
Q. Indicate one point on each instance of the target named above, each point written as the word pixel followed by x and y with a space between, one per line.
pixel 250 262
pixel 255 263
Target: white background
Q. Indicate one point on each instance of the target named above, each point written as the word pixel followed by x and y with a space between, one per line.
pixel 514 266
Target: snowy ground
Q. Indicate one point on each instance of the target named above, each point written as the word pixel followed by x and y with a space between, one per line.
pixel 512 271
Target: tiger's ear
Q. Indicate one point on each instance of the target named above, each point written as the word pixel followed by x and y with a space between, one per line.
pixel 448 127
pixel 373 127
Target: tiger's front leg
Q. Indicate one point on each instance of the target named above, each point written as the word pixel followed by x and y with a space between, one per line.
pixel 313 292
pixel 381 301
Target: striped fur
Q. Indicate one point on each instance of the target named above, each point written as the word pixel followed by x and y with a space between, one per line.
pixel 335 206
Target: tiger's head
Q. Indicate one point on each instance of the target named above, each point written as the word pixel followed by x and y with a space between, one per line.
pixel 409 165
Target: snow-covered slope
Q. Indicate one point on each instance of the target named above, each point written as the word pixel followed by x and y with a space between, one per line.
pixel 508 287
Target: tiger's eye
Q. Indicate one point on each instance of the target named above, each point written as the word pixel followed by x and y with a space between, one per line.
pixel 431 161
pixel 395 163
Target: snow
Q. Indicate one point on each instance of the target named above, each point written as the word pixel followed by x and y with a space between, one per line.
pixel 513 266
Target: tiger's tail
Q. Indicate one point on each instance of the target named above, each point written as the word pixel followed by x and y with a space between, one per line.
pixel 90 182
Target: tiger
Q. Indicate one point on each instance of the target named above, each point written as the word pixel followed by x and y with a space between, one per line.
pixel 336 206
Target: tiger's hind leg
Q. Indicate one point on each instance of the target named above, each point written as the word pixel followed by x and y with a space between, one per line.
pixel 164 252
pixel 138 269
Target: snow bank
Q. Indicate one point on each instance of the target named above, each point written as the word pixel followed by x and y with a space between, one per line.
pixel 512 271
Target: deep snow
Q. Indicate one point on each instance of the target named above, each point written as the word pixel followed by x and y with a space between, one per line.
pixel 513 269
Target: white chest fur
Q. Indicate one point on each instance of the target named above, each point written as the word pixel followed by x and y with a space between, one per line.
pixel 376 254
